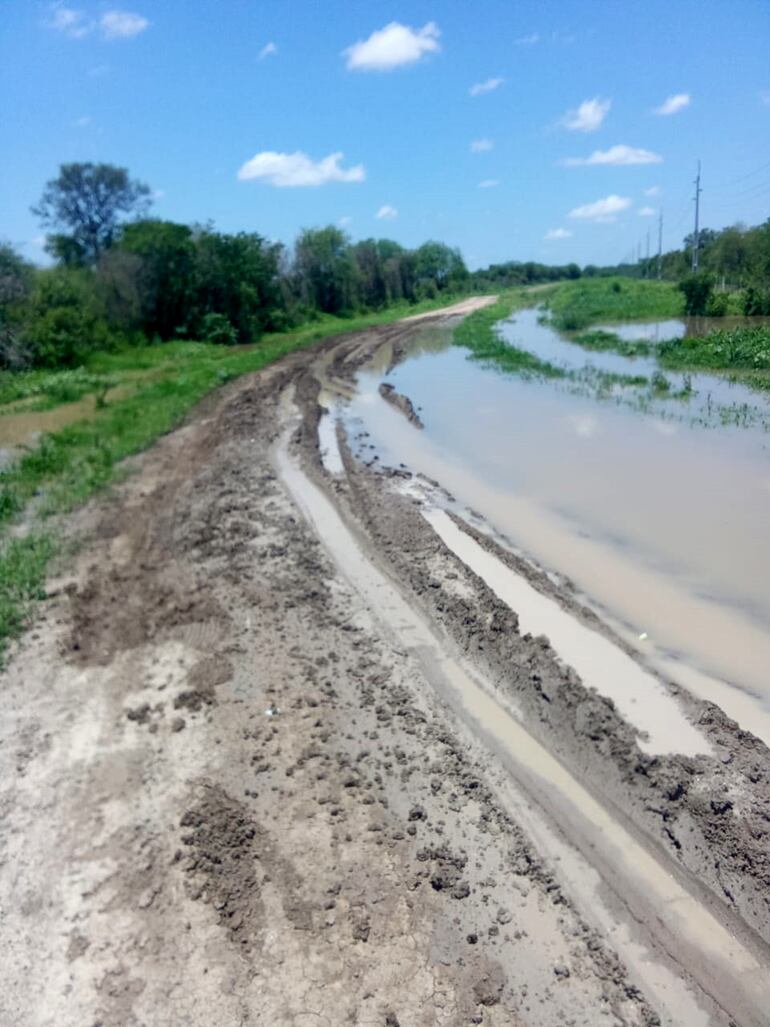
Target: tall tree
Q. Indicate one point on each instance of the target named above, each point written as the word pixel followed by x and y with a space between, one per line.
pixel 326 270
pixel 15 284
pixel 238 276
pixel 166 272
pixel 86 204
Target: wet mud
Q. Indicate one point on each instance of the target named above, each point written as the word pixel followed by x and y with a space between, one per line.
pixel 231 795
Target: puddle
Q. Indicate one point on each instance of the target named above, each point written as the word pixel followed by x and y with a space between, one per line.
pixel 661 524
pixel 23 428
pixel 327 442
pixel 639 696
pixel 651 892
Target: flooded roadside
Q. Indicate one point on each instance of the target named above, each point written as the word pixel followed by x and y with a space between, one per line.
pixel 703 399
pixel 660 524
pixel 603 862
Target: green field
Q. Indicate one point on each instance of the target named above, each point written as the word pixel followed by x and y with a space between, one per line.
pixel 577 305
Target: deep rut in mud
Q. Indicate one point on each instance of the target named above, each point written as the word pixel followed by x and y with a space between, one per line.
pixel 234 792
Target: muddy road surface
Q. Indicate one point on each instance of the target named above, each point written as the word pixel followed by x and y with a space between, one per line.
pixel 281 749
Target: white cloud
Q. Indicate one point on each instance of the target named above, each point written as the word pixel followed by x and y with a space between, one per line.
pixel 386 212
pixel 617 156
pixel 392 46
pixel 647 212
pixel 122 24
pixel 69 21
pixel 83 122
pixel 588 116
pixel 654 190
pixel 482 145
pixel 529 40
pixel 268 50
pixel 674 103
pixel 558 233
pixel 486 87
pixel 345 220
pixel 601 210
pixel 297 169
pixel 489 183
pixel 764 97
pixel 158 194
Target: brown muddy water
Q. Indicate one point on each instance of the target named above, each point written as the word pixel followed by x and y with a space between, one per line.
pixel 656 512
pixel 20 429
pixel 650 891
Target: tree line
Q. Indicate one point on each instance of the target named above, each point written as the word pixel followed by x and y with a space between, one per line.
pixel 121 275
pixel 733 260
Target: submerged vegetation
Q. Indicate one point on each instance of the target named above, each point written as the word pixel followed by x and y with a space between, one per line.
pixel 478 333
pixel 600 340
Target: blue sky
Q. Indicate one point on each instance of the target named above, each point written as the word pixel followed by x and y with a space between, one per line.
pixel 188 94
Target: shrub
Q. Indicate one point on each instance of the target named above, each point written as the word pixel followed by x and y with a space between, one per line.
pixel 697 289
pixel 216 328
pixel 717 304
pixel 62 325
pixel 756 301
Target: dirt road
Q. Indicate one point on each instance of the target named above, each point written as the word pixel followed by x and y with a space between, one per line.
pixel 275 754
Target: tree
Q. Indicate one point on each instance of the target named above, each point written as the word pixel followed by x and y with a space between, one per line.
pixel 166 269
pixel 15 284
pixel 372 286
pixel 439 267
pixel 87 203
pixel 238 276
pixel 325 270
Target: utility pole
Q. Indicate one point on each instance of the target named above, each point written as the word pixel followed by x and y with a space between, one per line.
pixel 697 213
pixel 647 258
pixel 660 244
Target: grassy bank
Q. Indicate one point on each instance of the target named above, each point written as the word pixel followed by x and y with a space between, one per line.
pixel 478 334
pixel 576 305
pixel 158 385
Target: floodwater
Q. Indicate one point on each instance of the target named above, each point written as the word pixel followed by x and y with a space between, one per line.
pixel 712 399
pixel 660 524
pixel 678 327
pixel 648 889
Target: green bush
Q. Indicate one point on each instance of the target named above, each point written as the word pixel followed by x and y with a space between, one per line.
pixel 717 304
pixel 62 325
pixel 697 289
pixel 756 301
pixel 216 328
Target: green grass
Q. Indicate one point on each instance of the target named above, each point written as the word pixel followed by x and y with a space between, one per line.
pixel 478 333
pixel 22 574
pixel 69 465
pixel 47 389
pixel 576 305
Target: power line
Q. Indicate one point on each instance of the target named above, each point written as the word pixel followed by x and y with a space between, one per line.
pixel 741 178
